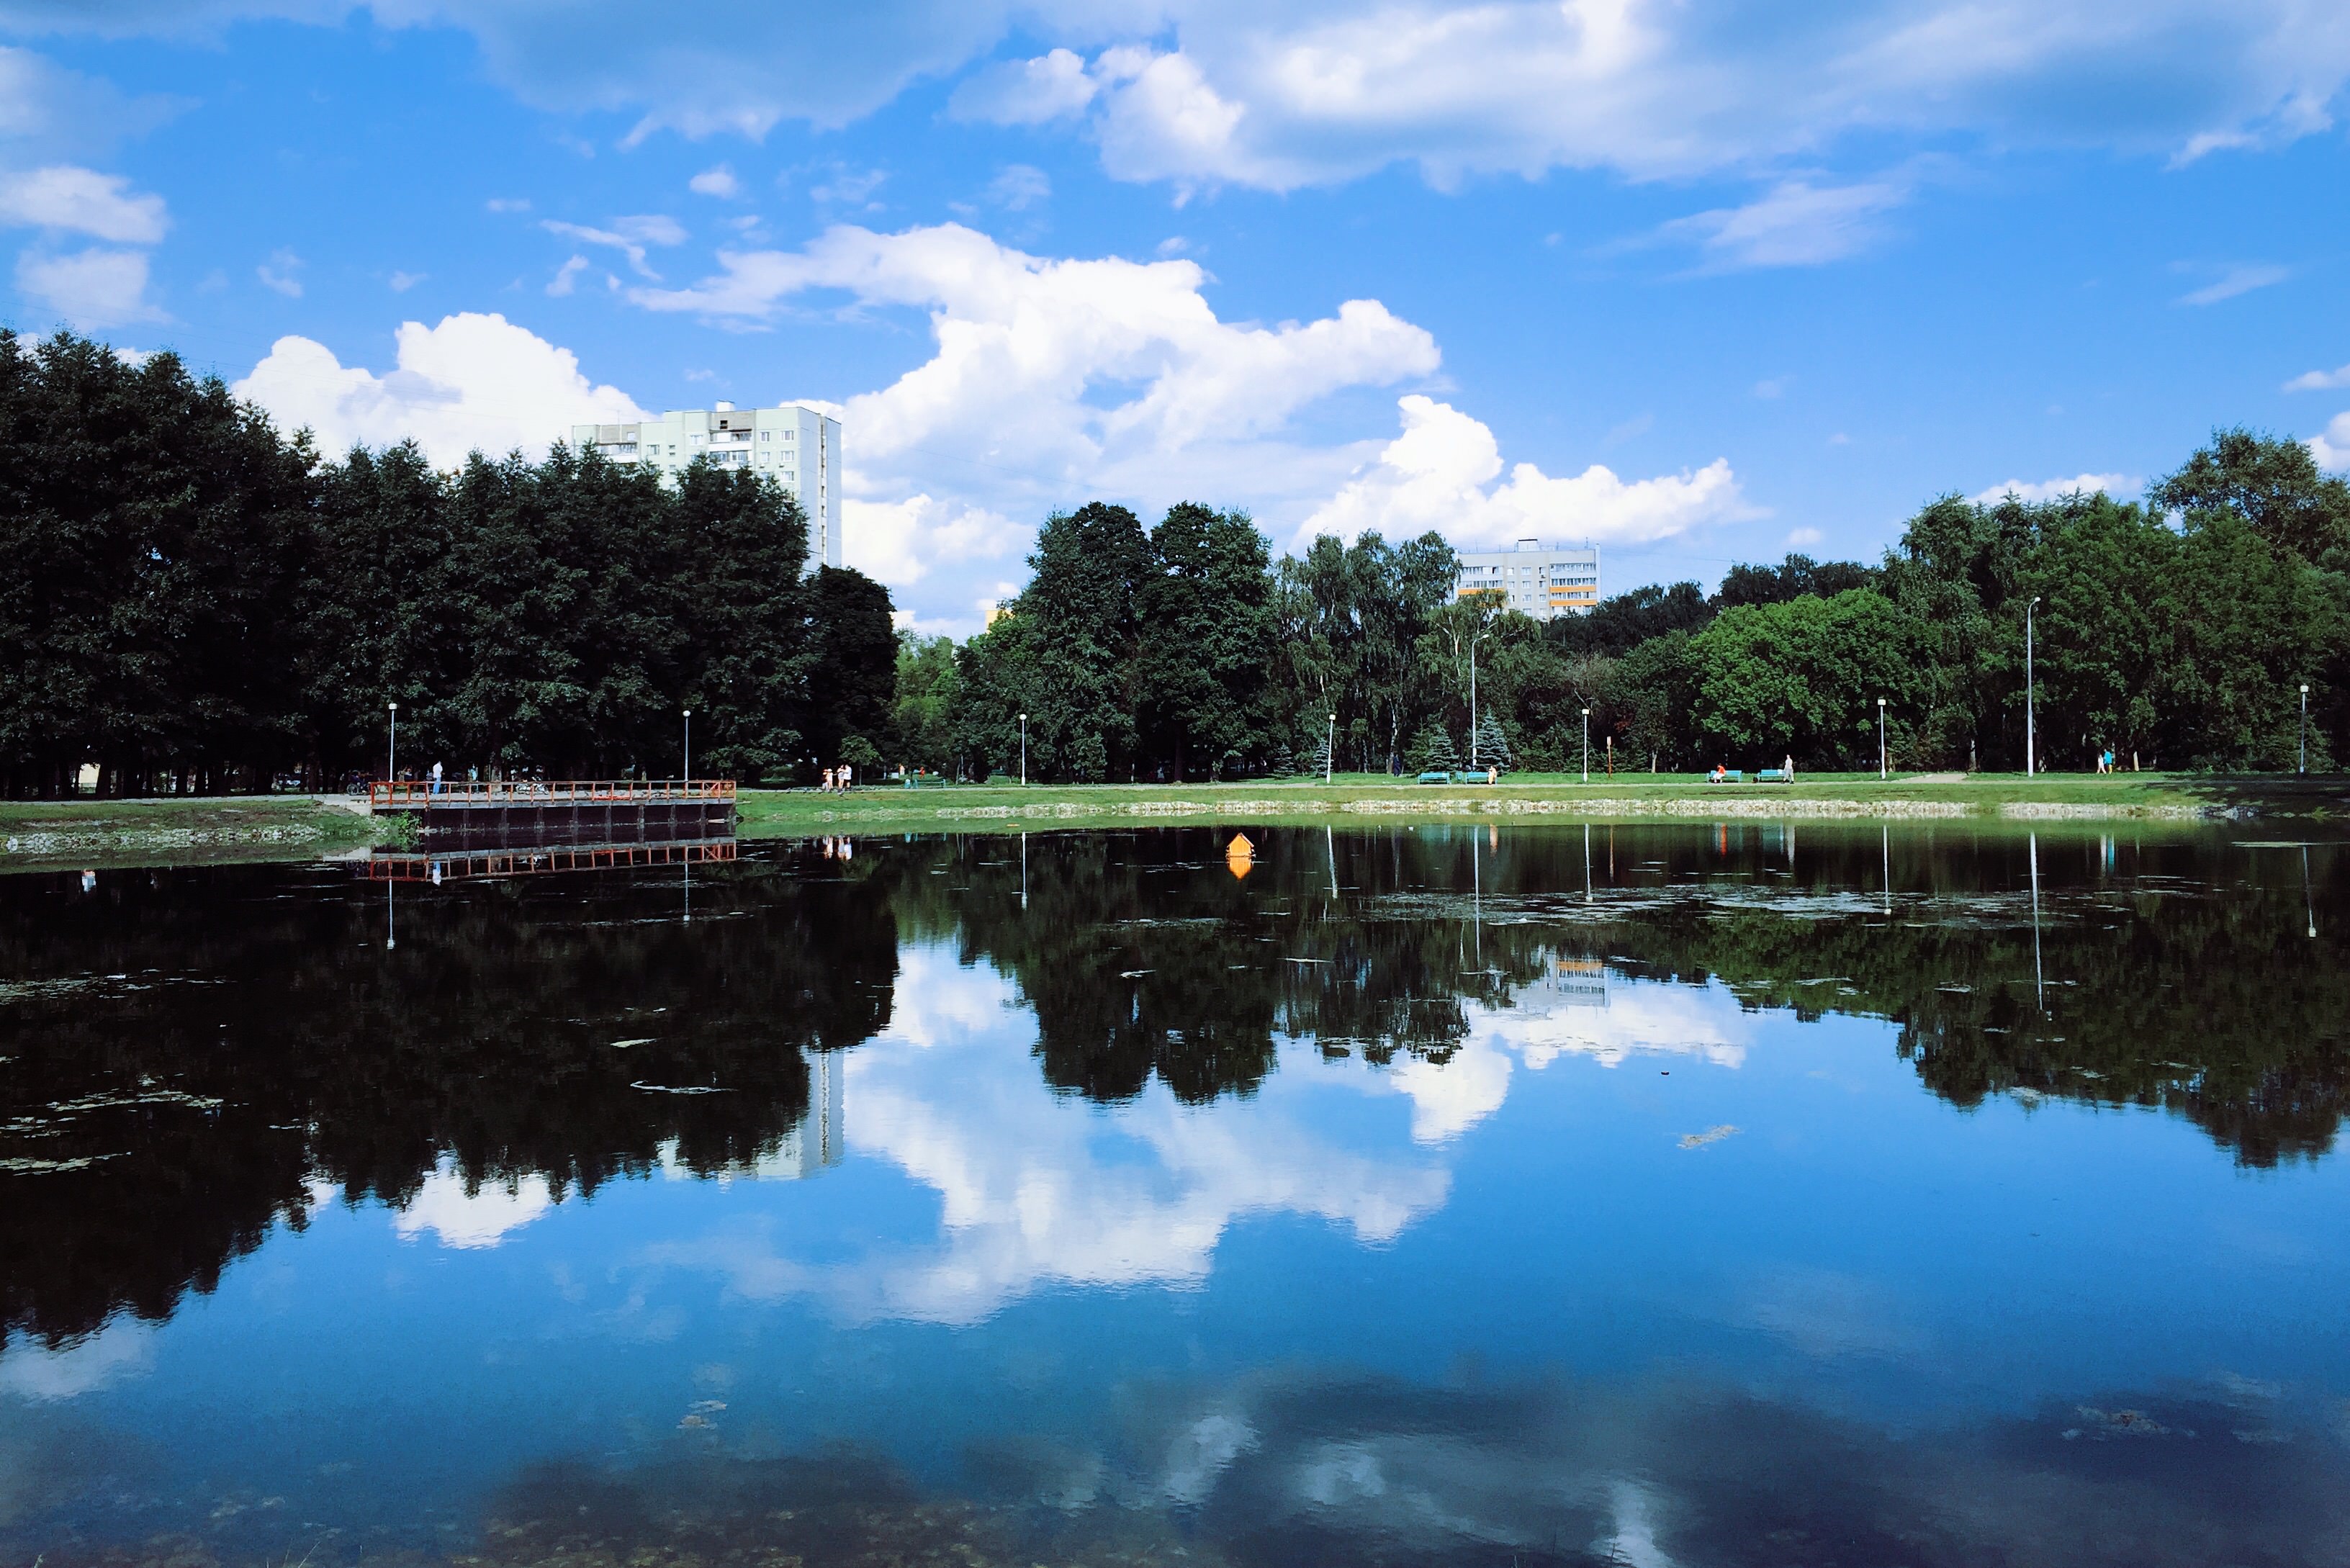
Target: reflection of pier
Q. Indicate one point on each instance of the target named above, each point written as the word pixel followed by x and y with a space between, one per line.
pixel 469 814
pixel 460 865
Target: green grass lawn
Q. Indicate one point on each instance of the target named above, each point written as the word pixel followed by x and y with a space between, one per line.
pixel 96 833
pixel 44 835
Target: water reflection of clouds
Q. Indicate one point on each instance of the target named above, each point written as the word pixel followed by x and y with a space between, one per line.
pixel 123 1348
pixel 1544 1023
pixel 1038 1189
pixel 460 1213
pixel 1688 1470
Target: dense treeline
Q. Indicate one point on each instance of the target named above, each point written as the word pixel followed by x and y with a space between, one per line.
pixel 2176 633
pixel 196 605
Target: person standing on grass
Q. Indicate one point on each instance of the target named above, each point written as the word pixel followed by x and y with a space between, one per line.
pixel 1788 767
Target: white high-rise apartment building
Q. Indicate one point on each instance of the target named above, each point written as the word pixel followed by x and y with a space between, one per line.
pixel 798 448
pixel 1532 581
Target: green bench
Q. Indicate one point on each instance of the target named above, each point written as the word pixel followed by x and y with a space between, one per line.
pixel 1730 775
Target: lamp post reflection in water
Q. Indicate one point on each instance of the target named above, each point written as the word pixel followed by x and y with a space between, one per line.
pixel 2039 985
pixel 2308 908
pixel 1476 895
pixel 391 939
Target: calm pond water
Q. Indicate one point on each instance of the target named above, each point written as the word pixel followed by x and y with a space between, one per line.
pixel 1658 1195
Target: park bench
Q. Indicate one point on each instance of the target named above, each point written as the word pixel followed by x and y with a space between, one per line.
pixel 1774 775
pixel 1435 776
pixel 922 780
pixel 1734 775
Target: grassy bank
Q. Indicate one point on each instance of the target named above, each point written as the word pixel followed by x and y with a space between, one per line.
pixel 1360 797
pixel 49 835
pixel 46 835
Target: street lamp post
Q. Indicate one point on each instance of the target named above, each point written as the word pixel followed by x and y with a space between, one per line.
pixel 1880 740
pixel 689 745
pixel 392 754
pixel 1330 755
pixel 1586 745
pixel 1023 748
pixel 1472 697
pixel 2031 763
pixel 2304 726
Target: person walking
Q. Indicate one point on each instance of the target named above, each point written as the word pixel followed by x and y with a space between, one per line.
pixel 1787 768
pixel 436 778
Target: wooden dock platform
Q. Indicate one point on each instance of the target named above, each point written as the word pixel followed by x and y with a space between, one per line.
pixel 461 812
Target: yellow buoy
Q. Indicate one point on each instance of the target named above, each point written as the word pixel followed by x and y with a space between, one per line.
pixel 1239 855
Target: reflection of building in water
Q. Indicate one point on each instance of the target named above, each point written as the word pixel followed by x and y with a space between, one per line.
pixel 815 1143
pixel 1569 982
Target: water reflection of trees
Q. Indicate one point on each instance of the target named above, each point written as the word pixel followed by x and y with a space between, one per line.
pixel 256 1036
pixel 187 1053
pixel 1142 955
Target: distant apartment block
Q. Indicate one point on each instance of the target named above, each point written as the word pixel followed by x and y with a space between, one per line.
pixel 798 448
pixel 1533 580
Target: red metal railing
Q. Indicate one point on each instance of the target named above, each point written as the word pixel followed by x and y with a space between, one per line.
pixel 474 864
pixel 424 792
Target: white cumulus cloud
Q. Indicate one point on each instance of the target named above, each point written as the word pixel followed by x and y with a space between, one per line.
pixel 2057 489
pixel 81 200
pixel 475 382
pixel 93 288
pixel 2319 381
pixel 1048 382
pixel 1055 379
pixel 1441 473
pixel 2331 446
pixel 1290 92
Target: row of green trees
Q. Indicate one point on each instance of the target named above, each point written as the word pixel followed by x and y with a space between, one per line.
pixel 196 605
pixel 2177 632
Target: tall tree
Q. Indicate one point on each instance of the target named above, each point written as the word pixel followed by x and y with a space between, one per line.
pixel 2274 487
pixel 853 673
pixel 1804 675
pixel 1207 643
pixel 1618 624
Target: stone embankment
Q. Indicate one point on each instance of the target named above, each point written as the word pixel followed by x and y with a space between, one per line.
pixel 52 845
pixel 1711 808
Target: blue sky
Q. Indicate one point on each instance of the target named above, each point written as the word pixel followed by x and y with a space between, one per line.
pixel 1701 282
